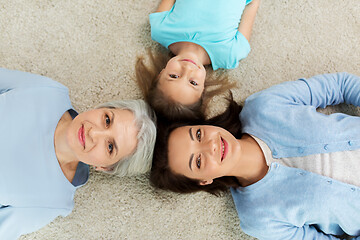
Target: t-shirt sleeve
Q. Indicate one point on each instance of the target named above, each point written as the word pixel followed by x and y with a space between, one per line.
pixel 243 46
pixel 15 222
pixel 248 1
pixel 156 23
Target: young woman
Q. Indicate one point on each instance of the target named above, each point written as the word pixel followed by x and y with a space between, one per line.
pixel 198 33
pixel 293 171
pixel 46 148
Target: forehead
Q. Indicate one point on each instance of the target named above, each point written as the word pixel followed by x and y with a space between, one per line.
pixel 179 90
pixel 179 150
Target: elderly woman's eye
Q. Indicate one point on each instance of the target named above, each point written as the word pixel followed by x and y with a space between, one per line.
pixel 192 82
pixel 198 135
pixel 198 162
pixel 173 76
pixel 110 148
pixel 107 120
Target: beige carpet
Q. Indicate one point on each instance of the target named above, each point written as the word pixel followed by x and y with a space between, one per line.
pixel 90 46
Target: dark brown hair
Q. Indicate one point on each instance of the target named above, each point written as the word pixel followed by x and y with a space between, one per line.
pixel 161 175
pixel 147 77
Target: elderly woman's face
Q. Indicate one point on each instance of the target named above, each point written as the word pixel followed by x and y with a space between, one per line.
pixel 102 137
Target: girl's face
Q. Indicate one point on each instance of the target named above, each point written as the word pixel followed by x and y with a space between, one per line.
pixel 203 152
pixel 102 137
pixel 183 80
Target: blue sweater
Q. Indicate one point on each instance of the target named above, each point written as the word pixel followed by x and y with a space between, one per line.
pixel 290 203
pixel 33 188
pixel 212 24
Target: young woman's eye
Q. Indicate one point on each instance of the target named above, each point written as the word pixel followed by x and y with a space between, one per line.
pixel 198 135
pixel 107 120
pixel 192 82
pixel 173 76
pixel 110 148
pixel 198 162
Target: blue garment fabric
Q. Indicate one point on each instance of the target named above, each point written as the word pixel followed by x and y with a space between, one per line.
pixel 212 24
pixel 290 203
pixel 33 188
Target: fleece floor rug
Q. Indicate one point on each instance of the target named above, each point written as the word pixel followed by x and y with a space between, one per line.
pixel 91 46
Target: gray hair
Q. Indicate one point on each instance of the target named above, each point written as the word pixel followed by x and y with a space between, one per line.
pixel 140 160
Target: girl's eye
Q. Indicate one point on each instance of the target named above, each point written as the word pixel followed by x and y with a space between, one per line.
pixel 198 134
pixel 107 120
pixel 173 76
pixel 198 162
pixel 192 82
pixel 110 148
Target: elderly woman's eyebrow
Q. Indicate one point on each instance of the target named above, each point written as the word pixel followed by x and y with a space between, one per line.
pixel 115 145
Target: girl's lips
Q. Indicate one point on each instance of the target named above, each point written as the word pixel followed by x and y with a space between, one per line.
pixel 81 136
pixel 191 61
pixel 224 149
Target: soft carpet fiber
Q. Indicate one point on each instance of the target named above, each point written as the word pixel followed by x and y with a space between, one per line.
pixel 91 46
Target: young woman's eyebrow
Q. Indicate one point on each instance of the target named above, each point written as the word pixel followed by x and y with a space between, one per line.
pixel 192 155
pixel 190 133
pixel 115 145
pixel 190 161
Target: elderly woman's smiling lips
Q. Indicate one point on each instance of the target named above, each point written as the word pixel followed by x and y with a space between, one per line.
pixel 81 136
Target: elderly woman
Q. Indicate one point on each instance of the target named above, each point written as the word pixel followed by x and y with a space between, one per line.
pixel 293 172
pixel 46 148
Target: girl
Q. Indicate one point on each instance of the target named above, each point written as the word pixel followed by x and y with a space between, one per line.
pixel 46 148
pixel 293 172
pixel 198 33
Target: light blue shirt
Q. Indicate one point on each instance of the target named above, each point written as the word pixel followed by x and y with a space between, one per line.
pixel 290 203
pixel 33 188
pixel 212 24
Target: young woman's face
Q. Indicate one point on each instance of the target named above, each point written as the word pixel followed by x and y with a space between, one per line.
pixel 182 80
pixel 203 152
pixel 102 137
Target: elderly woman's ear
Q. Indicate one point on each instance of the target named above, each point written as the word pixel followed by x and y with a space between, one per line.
pixel 103 169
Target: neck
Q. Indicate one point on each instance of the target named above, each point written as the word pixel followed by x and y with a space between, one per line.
pixel 189 48
pixel 67 161
pixel 252 166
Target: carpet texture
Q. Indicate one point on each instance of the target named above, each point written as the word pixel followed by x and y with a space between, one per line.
pixel 91 46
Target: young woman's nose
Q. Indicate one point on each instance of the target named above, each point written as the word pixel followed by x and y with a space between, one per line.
pixel 210 146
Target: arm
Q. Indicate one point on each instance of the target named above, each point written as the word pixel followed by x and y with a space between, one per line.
pixel 290 232
pixel 318 91
pixel 12 79
pixel 248 18
pixel 15 222
pixel 333 89
pixel 165 5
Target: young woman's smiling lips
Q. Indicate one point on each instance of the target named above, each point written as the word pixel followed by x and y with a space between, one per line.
pixel 81 136
pixel 224 149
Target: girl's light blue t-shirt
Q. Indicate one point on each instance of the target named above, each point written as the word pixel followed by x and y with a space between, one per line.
pixel 212 24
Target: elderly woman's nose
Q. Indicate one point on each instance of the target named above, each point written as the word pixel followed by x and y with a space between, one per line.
pixel 96 133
